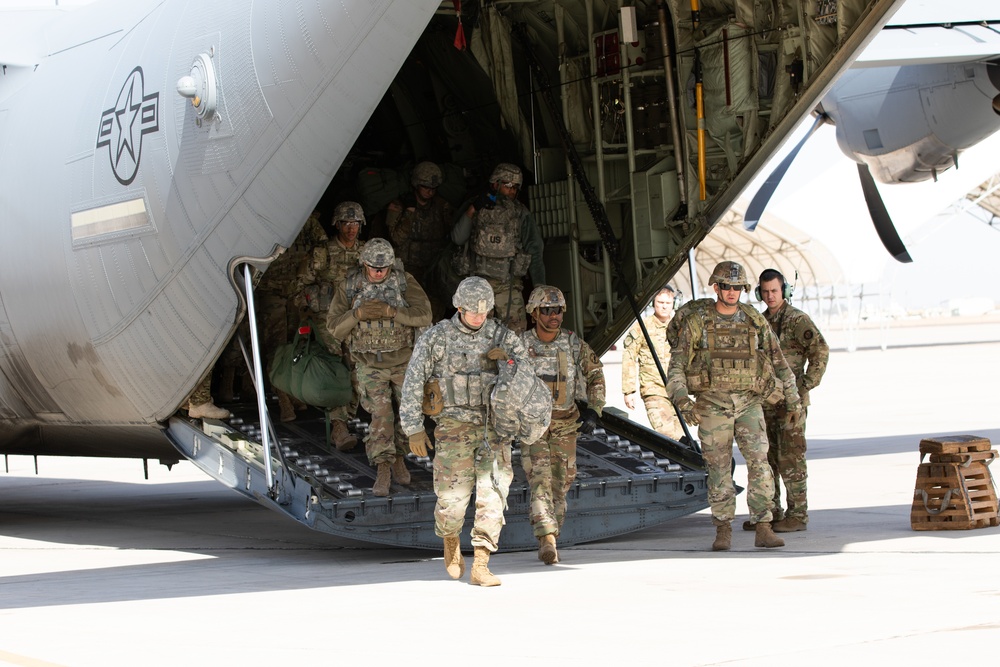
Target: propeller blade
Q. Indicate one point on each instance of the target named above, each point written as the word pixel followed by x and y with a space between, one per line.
pixel 759 201
pixel 880 216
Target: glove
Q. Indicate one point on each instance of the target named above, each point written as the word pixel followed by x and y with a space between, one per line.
pixel 589 420
pixel 485 200
pixel 374 310
pixel 420 442
pixel 686 408
pixel 497 354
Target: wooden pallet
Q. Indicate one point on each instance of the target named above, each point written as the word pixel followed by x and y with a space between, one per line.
pixel 954 496
pixel 954 444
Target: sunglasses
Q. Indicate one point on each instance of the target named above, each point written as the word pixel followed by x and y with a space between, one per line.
pixel 378 268
pixel 551 310
pixel 730 288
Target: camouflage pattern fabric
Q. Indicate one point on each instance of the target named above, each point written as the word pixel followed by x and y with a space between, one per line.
pixel 462 464
pixel 504 293
pixel 786 455
pixel 663 417
pixel 638 364
pixel 420 234
pixel 550 465
pixel 380 390
pixel 584 372
pixel 203 392
pixel 804 347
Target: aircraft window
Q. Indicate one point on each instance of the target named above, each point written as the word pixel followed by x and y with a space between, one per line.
pixel 873 139
pixel 96 224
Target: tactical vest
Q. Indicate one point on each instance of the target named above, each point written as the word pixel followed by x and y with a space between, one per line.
pixel 378 335
pixel 468 375
pixel 742 366
pixel 495 243
pixel 559 371
pixel 428 236
pixel 337 263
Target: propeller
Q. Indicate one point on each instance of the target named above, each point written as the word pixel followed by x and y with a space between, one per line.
pixel 876 208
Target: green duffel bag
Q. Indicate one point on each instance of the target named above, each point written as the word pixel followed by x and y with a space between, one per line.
pixel 305 370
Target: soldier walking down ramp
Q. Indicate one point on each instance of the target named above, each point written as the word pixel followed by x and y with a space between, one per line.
pixel 807 354
pixel 453 365
pixel 572 372
pixel 377 310
pixel 727 357
pixel 638 365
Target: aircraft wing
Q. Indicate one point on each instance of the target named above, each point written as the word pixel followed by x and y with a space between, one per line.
pixel 928 43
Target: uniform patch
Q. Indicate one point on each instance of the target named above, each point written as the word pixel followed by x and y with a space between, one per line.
pixel 808 334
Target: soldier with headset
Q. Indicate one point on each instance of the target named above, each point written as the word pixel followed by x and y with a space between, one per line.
pixel 807 354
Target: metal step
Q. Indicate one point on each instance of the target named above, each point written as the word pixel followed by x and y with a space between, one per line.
pixel 624 482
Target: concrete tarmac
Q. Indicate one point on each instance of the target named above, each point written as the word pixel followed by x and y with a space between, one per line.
pixel 102 567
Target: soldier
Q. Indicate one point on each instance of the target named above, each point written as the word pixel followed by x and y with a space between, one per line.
pixel 377 310
pixel 200 404
pixel 419 225
pixel 573 373
pixel 728 358
pixel 320 277
pixel 504 244
pixel 452 369
pixel 637 359
pixel 807 354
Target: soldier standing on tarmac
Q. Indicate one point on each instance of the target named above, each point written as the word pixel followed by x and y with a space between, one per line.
pixel 638 364
pixel 419 225
pixel 450 377
pixel 377 310
pixel 504 244
pixel 807 354
pixel 320 278
pixel 728 358
pixel 571 370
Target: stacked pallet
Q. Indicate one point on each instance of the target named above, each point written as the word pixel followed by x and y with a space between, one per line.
pixel 954 490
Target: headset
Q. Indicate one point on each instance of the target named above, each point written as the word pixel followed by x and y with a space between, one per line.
pixel 771 274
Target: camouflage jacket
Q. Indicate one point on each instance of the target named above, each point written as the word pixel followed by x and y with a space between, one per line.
pixel 769 366
pixel 569 368
pixel 282 276
pixel 530 238
pixel 325 270
pixel 419 234
pixel 805 349
pixel 637 359
pixel 455 355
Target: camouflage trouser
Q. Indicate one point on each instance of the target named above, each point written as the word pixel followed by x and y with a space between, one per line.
pixel 662 416
pixel 787 457
pixel 718 425
pixel 203 392
pixel 349 411
pixel 380 390
pixel 550 464
pixel 517 321
pixel 460 467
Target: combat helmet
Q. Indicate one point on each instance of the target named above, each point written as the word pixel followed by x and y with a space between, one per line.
pixel 474 295
pixel 349 211
pixel 505 172
pixel 545 296
pixel 730 273
pixel 427 174
pixel 377 254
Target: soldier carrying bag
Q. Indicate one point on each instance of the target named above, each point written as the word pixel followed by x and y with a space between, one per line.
pixel 305 370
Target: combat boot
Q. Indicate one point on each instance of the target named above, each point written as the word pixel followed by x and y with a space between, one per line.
pixel 749 525
pixel 207 410
pixel 788 525
pixel 766 537
pixel 381 487
pixel 547 549
pixel 399 471
pixel 453 561
pixel 723 536
pixel 481 575
pixel 341 438
pixel 287 410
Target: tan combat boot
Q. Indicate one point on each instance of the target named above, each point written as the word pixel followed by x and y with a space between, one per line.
pixel 788 525
pixel 399 471
pixel 453 561
pixel 481 575
pixel 285 407
pixel 766 537
pixel 341 438
pixel 749 525
pixel 381 487
pixel 723 536
pixel 207 410
pixel 547 549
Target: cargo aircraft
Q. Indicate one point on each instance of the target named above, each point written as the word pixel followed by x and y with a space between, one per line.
pixel 157 155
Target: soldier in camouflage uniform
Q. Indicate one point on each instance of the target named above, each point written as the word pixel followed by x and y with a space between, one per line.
pixel 320 277
pixel 200 404
pixel 451 372
pixel 573 373
pixel 504 244
pixel 637 360
pixel 807 354
pixel 377 311
pixel 728 358
pixel 419 225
